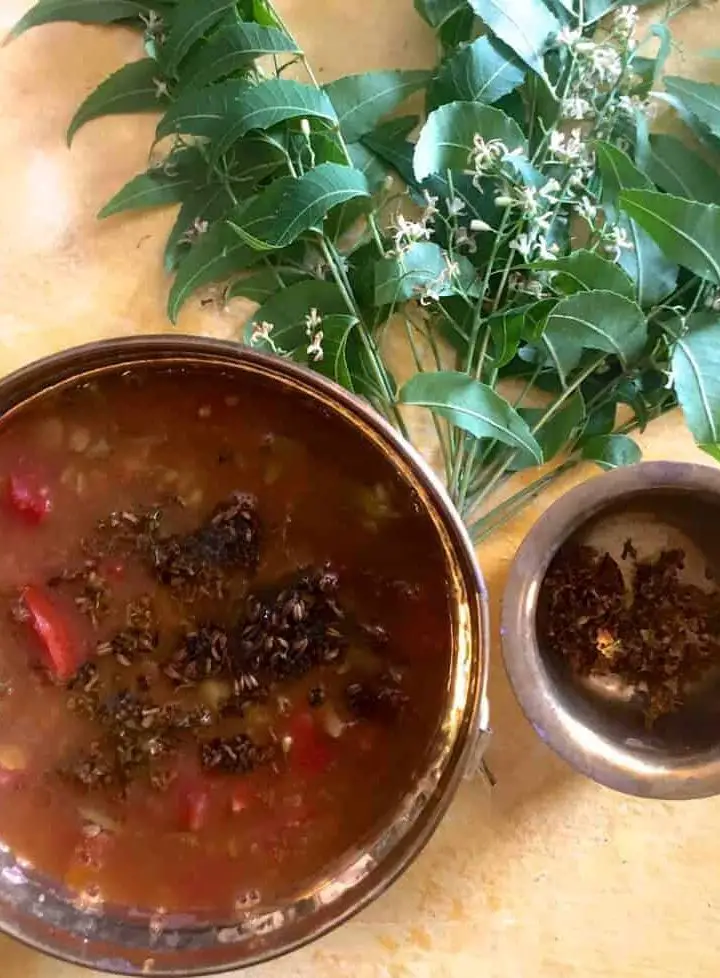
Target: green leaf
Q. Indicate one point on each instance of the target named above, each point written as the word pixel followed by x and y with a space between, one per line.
pixel 611 451
pixel 191 20
pixel 292 205
pixel 80 11
pixel 556 434
pixel 423 266
pixel 369 163
pixel 152 189
pixel 337 362
pixel 687 231
pixel 233 49
pixel 506 331
pixel 618 171
pixel 483 71
pixel 583 271
pixel 471 406
pixel 675 168
pixel 260 286
pixel 653 272
pixel 134 88
pixel 389 141
pixel 526 26
pixel 701 99
pixel 227 111
pixel 696 375
pixel 597 320
pixel 361 101
pixel 446 140
pixel 436 12
pixel 208 203
pixel 216 255
pixel 286 311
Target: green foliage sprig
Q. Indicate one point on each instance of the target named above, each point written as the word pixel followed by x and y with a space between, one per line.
pixel 555 266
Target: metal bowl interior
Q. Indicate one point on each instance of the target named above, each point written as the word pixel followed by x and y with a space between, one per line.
pixel 124 940
pixel 598 724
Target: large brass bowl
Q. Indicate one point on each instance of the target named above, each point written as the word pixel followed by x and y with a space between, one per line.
pixel 124 940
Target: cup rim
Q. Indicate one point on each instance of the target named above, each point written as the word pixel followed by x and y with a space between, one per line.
pixel 612 764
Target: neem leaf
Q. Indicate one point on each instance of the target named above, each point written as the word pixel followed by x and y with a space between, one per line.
pixel 136 87
pixel 597 320
pixel 555 435
pixel 232 49
pixel 446 140
pixel 483 71
pixel 287 309
pixel 203 112
pixel 611 451
pixel 361 101
pixel 687 231
pixel 653 272
pixel 675 168
pixel 696 375
pixel 208 203
pixel 583 271
pixel 470 405
pixel 191 20
pixel 423 266
pixel 216 255
pixel 436 12
pixel 227 111
pixel 701 99
pixel 291 205
pixel 337 361
pixel 152 189
pixel 526 26
pixel 80 11
pixel 262 285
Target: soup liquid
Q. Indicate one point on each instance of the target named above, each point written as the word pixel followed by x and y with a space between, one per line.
pixel 212 841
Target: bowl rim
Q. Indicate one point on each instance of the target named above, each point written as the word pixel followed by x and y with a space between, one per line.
pixel 43 374
pixel 607 762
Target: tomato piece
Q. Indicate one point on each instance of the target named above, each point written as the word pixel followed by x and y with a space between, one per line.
pixel 51 626
pixel 28 499
pixel 195 809
pixel 311 750
pixel 10 779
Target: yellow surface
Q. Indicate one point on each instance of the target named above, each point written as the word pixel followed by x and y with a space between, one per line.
pixel 548 875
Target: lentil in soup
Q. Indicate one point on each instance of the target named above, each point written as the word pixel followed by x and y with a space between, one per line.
pixel 227 638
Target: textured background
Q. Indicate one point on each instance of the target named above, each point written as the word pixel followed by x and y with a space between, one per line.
pixel 548 876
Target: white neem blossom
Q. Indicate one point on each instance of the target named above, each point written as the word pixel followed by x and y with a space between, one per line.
pixel 546 252
pixel 409 232
pixel 161 87
pixel 549 190
pixel 625 20
pixel 568 38
pixel 586 209
pixel 261 333
pixel 576 107
pixel 605 63
pixel 523 244
pixel 461 238
pixel 567 149
pixel 315 350
pixel 485 157
pixel 617 241
pixel 456 207
pixel 476 225
pixel 313 322
pixel 431 210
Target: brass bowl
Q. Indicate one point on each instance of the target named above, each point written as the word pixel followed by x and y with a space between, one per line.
pixel 597 724
pixel 124 940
